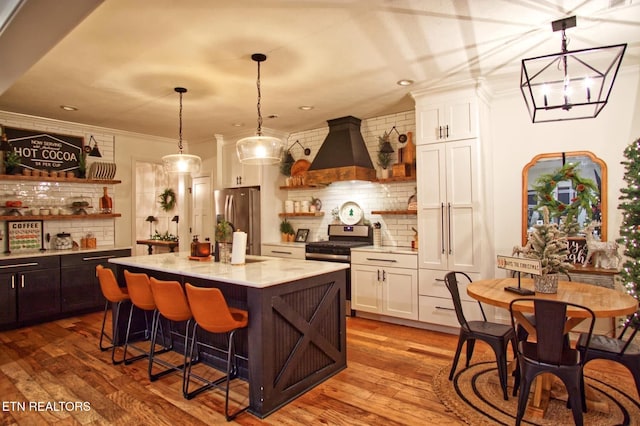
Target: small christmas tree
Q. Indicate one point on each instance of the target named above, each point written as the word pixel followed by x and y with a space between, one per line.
pixel 630 229
pixel 549 245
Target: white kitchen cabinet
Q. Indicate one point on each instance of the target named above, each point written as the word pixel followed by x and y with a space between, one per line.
pixel 447 200
pixel 285 250
pixel 435 303
pixel 446 121
pixel 385 284
pixel 234 173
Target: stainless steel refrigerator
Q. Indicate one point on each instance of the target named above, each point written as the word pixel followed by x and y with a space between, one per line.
pixel 241 208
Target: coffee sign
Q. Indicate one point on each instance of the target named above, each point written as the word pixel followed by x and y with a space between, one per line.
pixel 46 151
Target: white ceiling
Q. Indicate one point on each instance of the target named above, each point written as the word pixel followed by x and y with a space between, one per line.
pixel 119 65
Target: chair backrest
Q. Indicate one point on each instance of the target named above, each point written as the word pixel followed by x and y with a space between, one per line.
pixel 210 309
pixel 633 323
pixel 140 290
pixel 170 299
pixel 109 285
pixel 550 325
pixel 451 281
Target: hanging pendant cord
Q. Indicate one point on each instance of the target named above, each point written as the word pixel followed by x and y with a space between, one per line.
pixel 258 105
pixel 180 126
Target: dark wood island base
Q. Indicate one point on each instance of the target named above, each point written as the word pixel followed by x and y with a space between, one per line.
pixel 296 337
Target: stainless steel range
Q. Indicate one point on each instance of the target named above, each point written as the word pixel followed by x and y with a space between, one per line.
pixel 342 238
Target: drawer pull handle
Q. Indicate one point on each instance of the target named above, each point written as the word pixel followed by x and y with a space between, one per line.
pixel 19 265
pixel 98 257
pixel 13 282
pixel 440 280
pixel 22 281
pixel 281 252
pixel 373 259
pixel 442 308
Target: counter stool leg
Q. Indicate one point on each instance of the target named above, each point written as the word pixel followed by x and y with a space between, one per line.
pixel 232 369
pixel 114 333
pixel 126 360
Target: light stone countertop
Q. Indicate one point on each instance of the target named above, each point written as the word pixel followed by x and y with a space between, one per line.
pixel 259 271
pixel 386 249
pixel 52 252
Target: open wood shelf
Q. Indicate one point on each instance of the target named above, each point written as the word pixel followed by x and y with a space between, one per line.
pixel 394 212
pixel 397 179
pixel 312 186
pixel 316 214
pixel 59 179
pixel 62 216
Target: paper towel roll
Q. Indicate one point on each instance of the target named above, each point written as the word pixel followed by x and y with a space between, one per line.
pixel 239 248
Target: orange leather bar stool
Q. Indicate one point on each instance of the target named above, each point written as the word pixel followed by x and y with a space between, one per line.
pixel 212 314
pixel 172 305
pixel 141 298
pixel 113 293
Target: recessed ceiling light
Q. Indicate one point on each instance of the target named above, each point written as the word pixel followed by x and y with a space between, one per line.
pixel 404 82
pixel 237 124
pixel 68 108
pixel 306 107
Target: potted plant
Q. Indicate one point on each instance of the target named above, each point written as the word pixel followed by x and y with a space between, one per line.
pixel 12 161
pixel 82 165
pixel 286 231
pixel 548 244
pixel 384 157
pixel 224 233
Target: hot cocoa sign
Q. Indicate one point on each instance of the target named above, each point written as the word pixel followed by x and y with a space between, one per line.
pixel 46 151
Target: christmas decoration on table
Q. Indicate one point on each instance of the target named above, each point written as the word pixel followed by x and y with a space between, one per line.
pixel 548 244
pixel 586 196
pixel 604 253
pixel 629 276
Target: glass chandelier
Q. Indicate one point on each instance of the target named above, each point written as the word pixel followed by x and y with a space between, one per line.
pixel 181 163
pixel 259 149
pixel 569 85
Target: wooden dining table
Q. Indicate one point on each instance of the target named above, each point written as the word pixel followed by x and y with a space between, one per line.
pixel 604 302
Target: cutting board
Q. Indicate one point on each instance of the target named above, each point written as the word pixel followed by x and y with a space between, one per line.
pixel 409 150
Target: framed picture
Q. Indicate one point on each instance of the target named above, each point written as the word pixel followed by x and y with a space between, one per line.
pixel 301 235
pixel 24 236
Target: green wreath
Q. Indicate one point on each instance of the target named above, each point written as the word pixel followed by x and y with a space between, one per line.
pixel 586 192
pixel 167 200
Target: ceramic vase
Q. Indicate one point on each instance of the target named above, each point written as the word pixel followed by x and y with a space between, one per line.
pixel 546 283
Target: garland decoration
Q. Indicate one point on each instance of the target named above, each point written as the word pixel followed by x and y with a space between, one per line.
pixel 167 200
pixel 586 193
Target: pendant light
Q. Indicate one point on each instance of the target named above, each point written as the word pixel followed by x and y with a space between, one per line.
pixel 181 163
pixel 569 85
pixel 259 149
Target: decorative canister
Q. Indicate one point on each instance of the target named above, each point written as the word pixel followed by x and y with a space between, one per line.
pixel 288 206
pixel 546 283
pixel 63 241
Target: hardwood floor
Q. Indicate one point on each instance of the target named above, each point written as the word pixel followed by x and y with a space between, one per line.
pixel 388 381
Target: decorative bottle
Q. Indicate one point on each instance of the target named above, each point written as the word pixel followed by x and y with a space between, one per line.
pixel 194 246
pixel 106 203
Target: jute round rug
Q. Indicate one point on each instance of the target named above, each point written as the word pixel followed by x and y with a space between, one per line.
pixel 475 396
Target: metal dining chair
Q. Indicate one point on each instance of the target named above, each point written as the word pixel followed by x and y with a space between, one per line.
pixel 495 335
pixel 551 352
pixel 621 350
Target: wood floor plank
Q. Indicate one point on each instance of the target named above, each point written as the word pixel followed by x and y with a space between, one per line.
pixel 388 381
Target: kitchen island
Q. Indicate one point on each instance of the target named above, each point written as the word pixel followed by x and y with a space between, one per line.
pixel 296 336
